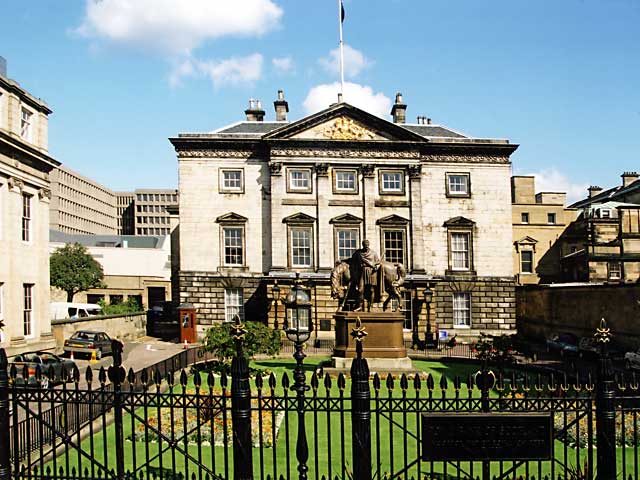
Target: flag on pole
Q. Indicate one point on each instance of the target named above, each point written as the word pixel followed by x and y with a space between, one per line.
pixel 341 12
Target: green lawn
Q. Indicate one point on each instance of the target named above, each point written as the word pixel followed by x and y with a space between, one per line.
pixel 326 428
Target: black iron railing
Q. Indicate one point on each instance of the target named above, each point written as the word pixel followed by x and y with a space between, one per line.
pixel 164 422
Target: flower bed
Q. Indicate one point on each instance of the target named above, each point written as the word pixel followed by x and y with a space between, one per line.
pixel 205 426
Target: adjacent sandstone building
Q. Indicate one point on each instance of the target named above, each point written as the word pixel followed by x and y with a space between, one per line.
pixel 539 219
pixel 24 218
pixel 261 200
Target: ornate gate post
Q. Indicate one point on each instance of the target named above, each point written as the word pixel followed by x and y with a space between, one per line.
pixel 5 452
pixel 605 408
pixel 241 408
pixel 117 376
pixel 361 409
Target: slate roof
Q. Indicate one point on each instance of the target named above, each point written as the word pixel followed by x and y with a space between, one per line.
pixel 133 241
pixel 257 129
pixel 608 195
pixel 432 131
pixel 249 128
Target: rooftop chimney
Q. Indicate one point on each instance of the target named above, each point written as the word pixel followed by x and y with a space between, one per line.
pixel 254 112
pixel 282 107
pixel 428 121
pixel 399 110
pixel 628 178
pixel 3 67
pixel 594 190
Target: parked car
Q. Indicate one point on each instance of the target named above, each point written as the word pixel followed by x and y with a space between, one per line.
pixel 87 342
pixel 588 348
pixel 632 360
pixel 62 310
pixel 50 366
pixel 564 344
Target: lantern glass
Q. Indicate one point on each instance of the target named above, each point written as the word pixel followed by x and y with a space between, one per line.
pixel 428 295
pixel 275 291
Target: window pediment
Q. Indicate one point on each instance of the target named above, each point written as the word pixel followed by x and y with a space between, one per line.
pixel 346 219
pixel 231 218
pixel 392 220
pixel 459 222
pixel 299 218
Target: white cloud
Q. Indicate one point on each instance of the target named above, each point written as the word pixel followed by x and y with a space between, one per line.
pixel 176 26
pixel 354 61
pixel 361 96
pixel 231 71
pixel 552 180
pixel 283 64
pixel 181 70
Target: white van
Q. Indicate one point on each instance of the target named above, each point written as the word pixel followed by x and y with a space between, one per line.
pixel 60 310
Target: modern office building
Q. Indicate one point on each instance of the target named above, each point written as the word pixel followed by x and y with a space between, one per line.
pixel 80 205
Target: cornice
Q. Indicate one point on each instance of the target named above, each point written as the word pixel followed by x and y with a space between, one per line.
pixel 23 151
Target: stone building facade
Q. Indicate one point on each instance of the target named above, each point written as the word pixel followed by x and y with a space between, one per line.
pixel 261 200
pixel 24 218
pixel 539 220
pixel 80 205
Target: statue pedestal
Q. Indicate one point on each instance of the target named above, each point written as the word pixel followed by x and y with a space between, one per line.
pixel 383 346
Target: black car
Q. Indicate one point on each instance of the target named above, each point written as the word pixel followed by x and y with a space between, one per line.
pixel 87 342
pixel 564 344
pixel 51 366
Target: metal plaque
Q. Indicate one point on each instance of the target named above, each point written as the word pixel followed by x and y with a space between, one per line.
pixel 486 436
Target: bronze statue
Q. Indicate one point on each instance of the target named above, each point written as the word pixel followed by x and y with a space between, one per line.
pixel 359 281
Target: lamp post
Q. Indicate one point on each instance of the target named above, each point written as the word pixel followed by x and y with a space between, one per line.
pixel 298 327
pixel 427 293
pixel 275 293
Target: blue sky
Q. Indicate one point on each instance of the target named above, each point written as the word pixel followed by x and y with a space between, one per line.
pixel 560 78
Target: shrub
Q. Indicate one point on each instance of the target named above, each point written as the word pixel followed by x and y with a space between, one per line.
pixel 259 339
pixel 130 306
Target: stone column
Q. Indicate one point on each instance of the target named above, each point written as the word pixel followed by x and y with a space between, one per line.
pixel 324 236
pixel 368 209
pixel 278 229
pixel 416 233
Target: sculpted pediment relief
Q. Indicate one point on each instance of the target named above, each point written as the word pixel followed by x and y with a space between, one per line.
pixel 340 128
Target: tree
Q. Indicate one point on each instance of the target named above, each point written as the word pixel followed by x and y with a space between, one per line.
pixel 74 270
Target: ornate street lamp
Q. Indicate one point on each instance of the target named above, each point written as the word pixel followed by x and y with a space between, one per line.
pixel 298 327
pixel 275 293
pixel 427 293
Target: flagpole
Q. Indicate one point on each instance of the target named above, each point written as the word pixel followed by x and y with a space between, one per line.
pixel 340 10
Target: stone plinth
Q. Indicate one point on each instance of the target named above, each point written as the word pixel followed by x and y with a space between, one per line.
pixel 384 335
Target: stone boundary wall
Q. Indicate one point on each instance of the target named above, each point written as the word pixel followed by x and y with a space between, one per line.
pixel 123 327
pixel 543 310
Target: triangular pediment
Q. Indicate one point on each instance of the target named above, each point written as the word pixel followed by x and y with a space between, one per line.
pixel 347 218
pixel 392 220
pixel 459 222
pixel 526 241
pixel 299 218
pixel 231 218
pixel 343 122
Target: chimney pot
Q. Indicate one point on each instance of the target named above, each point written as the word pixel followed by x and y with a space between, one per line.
pixel 594 190
pixel 399 110
pixel 340 99
pixel 282 107
pixel 628 178
pixel 3 67
pixel 428 121
pixel 254 113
